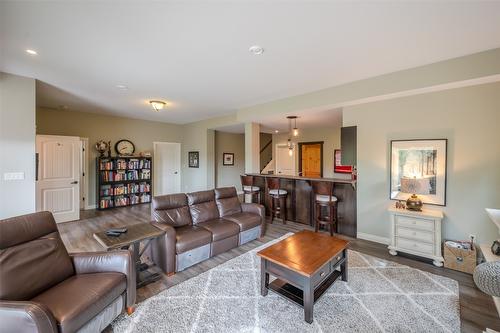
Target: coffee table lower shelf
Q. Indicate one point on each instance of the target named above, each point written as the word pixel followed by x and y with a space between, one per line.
pixel 296 295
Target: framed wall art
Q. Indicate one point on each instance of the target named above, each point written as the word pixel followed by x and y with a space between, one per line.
pixel 337 163
pixel 227 158
pixel 194 159
pixel 419 167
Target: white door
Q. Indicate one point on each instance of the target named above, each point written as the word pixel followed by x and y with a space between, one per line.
pixel 167 168
pixel 58 174
pixel 285 163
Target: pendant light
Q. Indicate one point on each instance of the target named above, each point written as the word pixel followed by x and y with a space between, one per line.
pixel 295 128
pixel 295 132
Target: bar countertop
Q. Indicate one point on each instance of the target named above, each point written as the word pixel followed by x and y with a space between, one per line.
pixel 335 180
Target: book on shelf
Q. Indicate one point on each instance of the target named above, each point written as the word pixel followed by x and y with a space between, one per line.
pixel 106 203
pixel 121 201
pixel 145 174
pixel 123 181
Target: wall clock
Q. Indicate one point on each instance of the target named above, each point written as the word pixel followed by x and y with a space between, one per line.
pixel 124 148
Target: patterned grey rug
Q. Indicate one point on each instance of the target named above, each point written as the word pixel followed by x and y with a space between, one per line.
pixel 380 296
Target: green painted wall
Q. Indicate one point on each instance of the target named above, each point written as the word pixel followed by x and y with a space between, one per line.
pixel 469 118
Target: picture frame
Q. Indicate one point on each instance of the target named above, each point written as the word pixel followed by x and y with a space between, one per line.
pixel 424 163
pixel 194 159
pixel 337 163
pixel 227 159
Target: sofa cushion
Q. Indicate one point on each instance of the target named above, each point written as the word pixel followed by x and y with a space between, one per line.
pixel 190 237
pixel 245 220
pixel 171 209
pixel 80 298
pixel 220 228
pixel 200 196
pixel 227 201
pixel 176 217
pixel 202 206
pixel 29 268
pixel 170 201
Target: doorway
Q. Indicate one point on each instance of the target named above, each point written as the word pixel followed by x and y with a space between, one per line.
pixel 84 173
pixel 167 166
pixel 285 161
pixel 58 176
pixel 311 159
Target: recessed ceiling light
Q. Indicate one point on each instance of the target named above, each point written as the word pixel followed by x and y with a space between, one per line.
pixel 32 52
pixel 256 49
pixel 121 87
pixel 276 131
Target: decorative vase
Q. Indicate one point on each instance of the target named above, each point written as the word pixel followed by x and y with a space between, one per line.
pixel 414 203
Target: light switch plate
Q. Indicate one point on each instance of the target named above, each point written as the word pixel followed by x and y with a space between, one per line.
pixel 13 176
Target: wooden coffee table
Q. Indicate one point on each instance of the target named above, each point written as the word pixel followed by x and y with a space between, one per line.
pixel 137 233
pixel 305 265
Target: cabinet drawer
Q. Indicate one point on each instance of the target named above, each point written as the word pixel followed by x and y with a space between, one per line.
pixel 320 275
pixel 416 234
pixel 414 245
pixel 412 222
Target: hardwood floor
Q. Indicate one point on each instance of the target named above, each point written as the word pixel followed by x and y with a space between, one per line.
pixel 477 310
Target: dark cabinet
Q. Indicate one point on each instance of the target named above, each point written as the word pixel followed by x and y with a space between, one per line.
pixel 348 144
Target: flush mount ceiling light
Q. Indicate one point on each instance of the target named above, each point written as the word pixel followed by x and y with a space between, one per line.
pixel 157 105
pixel 256 49
pixel 32 52
pixel 121 87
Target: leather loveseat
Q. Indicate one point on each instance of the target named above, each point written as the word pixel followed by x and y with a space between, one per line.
pixel 200 225
pixel 44 289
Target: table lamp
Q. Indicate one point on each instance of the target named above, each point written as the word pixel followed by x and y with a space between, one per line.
pixel 415 186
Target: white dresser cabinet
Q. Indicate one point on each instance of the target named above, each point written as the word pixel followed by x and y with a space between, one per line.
pixel 417 233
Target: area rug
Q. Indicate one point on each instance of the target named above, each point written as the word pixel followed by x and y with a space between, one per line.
pixel 380 296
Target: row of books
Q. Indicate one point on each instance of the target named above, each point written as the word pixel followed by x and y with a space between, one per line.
pixel 119 189
pixel 124 201
pixel 124 164
pixel 109 176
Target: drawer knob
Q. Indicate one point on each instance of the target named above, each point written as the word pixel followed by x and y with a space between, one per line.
pixel 338 258
pixel 322 274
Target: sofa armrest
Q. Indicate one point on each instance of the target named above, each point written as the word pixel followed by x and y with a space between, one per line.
pixel 162 250
pixel 259 210
pixel 26 317
pixel 119 261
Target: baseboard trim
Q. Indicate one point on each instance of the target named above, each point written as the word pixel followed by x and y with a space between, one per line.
pixel 87 207
pixel 374 238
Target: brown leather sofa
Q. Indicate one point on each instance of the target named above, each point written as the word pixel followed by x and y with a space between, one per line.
pixel 45 289
pixel 200 225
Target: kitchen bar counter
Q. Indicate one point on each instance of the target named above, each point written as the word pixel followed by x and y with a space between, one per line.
pixel 300 200
pixel 335 180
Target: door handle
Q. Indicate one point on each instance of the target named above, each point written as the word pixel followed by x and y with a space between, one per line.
pixel 75 182
pixel 175 172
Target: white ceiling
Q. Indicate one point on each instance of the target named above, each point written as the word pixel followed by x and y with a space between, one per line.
pixel 307 119
pixel 195 54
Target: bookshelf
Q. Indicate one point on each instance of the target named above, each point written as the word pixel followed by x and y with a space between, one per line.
pixel 123 181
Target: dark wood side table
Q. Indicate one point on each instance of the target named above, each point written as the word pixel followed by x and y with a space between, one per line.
pixel 305 265
pixel 137 233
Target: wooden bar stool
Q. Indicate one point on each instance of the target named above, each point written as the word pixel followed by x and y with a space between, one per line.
pixel 278 198
pixel 248 185
pixel 323 197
